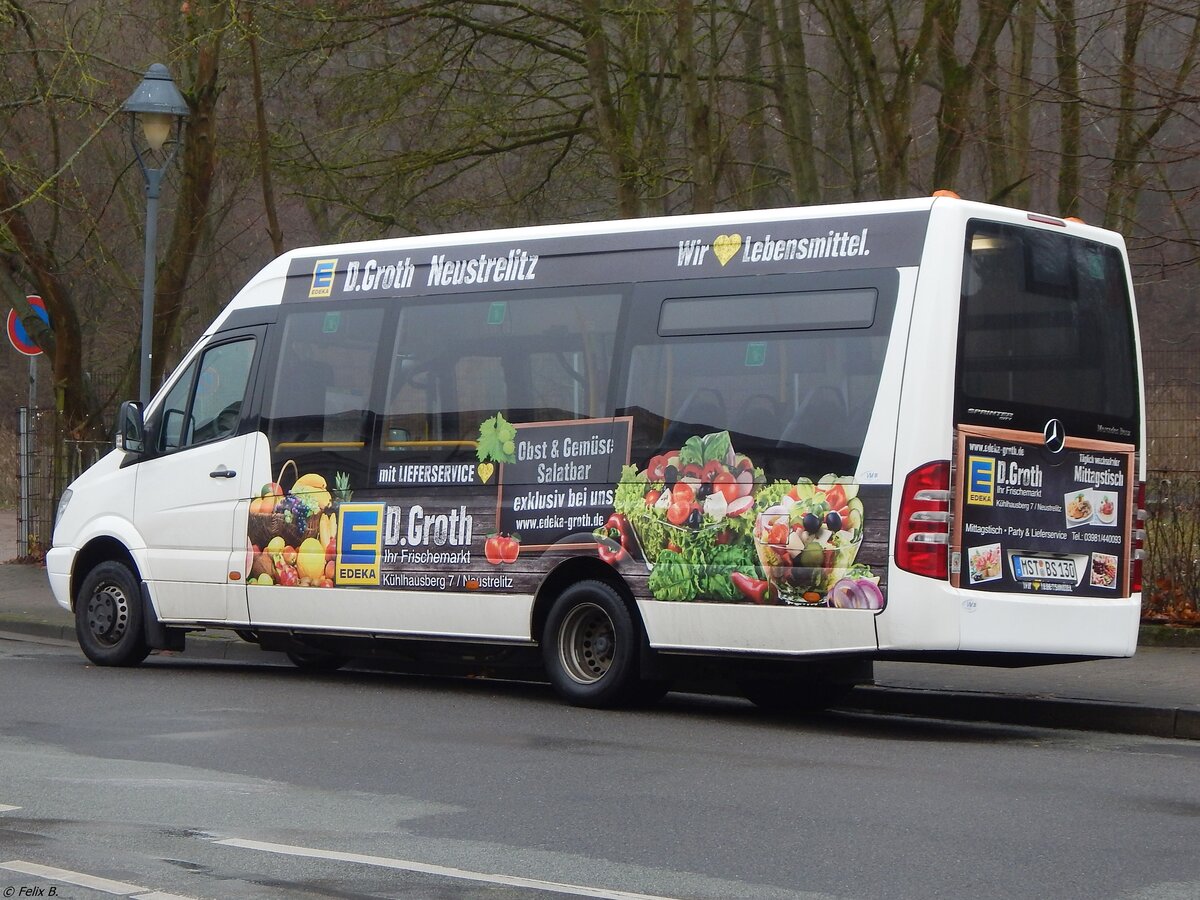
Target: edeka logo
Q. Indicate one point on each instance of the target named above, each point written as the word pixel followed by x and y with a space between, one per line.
pixel 359 542
pixel 322 282
pixel 981 480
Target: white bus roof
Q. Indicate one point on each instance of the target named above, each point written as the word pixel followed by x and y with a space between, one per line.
pixel 266 288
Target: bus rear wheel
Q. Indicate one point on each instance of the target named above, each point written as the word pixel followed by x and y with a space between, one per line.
pixel 108 617
pixel 590 646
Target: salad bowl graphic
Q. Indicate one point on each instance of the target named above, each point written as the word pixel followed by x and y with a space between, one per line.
pixel 703 491
pixel 691 512
pixel 708 528
pixel 807 541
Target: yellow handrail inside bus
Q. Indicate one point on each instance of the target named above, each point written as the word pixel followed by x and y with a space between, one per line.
pixel 320 445
pixel 393 444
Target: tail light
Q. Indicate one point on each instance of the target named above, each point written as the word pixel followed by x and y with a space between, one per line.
pixel 1139 538
pixel 923 533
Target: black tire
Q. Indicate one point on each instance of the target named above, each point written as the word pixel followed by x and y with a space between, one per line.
pixel 109 618
pixel 793 695
pixel 590 647
pixel 316 660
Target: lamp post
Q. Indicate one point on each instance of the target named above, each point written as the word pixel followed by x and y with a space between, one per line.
pixel 159 106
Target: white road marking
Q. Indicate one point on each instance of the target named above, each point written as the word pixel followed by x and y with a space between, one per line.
pixel 408 865
pixel 80 879
pixel 6 808
pixel 76 878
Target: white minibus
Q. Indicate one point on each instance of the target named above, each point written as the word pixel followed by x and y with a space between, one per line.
pixel 768 447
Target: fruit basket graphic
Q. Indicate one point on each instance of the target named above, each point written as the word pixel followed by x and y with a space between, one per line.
pixel 294 514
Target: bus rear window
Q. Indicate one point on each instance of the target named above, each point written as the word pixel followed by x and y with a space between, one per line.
pixel 1046 331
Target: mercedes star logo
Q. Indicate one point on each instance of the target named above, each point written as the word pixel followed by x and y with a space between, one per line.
pixel 1055 436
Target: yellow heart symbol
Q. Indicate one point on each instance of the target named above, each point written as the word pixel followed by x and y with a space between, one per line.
pixel 725 246
pixel 485 471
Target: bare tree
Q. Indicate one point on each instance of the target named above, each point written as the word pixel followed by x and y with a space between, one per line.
pixel 885 84
pixel 960 79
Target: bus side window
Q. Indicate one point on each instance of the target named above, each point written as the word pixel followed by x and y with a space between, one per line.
pixel 823 408
pixel 703 410
pixel 321 393
pixel 435 407
pixel 480 389
pixel 412 413
pixel 205 402
pixel 803 399
pixel 173 432
pixel 759 416
pixel 530 359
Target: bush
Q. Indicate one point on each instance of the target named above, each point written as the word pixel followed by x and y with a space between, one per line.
pixel 1171 573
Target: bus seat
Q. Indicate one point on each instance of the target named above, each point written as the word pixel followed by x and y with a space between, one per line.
pixel 759 417
pixel 295 420
pixel 822 416
pixel 702 412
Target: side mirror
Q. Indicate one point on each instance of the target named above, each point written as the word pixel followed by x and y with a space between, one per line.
pixel 131 428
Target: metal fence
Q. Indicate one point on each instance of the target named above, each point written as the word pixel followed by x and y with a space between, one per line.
pixel 1173 405
pixel 47 462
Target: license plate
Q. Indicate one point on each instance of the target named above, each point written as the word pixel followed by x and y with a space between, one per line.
pixel 1039 568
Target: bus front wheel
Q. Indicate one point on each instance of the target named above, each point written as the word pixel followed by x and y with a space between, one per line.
pixel 108 617
pixel 590 646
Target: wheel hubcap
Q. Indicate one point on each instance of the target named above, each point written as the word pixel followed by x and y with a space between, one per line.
pixel 108 614
pixel 586 643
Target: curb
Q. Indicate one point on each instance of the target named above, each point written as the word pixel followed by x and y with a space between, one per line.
pixel 1168 636
pixel 197 647
pixel 965 706
pixel 1034 711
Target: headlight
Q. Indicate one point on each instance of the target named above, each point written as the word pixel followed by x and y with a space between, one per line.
pixel 62 506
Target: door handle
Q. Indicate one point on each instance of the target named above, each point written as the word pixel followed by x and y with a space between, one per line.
pixel 222 472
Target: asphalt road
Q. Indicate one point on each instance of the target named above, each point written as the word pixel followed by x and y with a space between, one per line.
pixel 214 780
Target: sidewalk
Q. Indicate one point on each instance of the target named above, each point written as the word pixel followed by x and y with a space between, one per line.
pixel 1156 692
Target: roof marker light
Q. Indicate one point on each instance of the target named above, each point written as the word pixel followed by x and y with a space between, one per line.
pixel 1047 220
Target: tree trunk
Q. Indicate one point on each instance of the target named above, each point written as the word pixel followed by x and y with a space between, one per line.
pixel 792 95
pixel 263 136
pixel 607 117
pixel 887 107
pixel 756 192
pixel 1066 58
pixel 695 111
pixel 1009 170
pixel 959 80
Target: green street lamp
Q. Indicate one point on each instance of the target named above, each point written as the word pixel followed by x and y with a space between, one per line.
pixel 157 104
